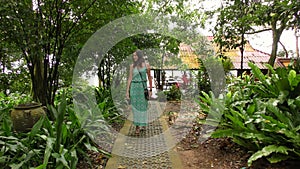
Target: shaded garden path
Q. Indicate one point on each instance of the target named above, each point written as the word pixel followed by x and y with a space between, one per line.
pixel 150 148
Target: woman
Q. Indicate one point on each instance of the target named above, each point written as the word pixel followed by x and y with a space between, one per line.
pixel 137 81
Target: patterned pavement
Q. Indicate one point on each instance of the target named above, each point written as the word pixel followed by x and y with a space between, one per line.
pixel 152 149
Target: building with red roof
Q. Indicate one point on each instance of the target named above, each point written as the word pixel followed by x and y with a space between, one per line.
pixel 259 58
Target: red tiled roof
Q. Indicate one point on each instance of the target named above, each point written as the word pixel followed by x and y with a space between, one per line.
pixel 256 56
pixel 190 60
pixel 250 55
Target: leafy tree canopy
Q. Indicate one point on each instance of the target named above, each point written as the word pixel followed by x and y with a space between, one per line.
pixel 239 17
pixel 50 33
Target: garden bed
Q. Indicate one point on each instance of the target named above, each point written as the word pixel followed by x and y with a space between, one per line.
pixel 221 154
pixel 217 153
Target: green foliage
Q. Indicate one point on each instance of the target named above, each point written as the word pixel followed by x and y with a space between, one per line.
pixel 178 8
pixel 262 114
pixel 108 107
pixel 173 94
pixel 211 74
pixel 227 63
pixel 212 107
pixel 50 144
pixel 14 75
pixel 48 36
pixel 203 78
pixel 8 102
pixel 239 17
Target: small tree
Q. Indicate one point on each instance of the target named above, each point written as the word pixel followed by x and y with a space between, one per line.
pixel 240 17
pixel 50 34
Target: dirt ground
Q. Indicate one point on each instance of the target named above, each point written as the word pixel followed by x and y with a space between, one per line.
pixel 222 154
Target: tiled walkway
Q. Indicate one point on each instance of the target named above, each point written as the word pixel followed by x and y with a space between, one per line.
pixel 152 149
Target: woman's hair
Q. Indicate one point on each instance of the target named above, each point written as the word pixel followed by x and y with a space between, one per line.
pixel 140 59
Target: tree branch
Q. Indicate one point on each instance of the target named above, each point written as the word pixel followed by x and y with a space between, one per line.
pixel 258 31
pixel 68 32
pixel 286 52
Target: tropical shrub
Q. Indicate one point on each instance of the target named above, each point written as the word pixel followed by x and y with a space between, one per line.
pixel 8 102
pixel 50 144
pixel 203 78
pixel 261 113
pixel 112 111
pixel 173 94
pixel 65 92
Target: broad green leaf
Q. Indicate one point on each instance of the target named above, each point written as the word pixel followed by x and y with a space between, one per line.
pixel 297 128
pixel 283 84
pixel 255 136
pixel 291 78
pixel 273 122
pixel 271 69
pixel 90 147
pixel 8 138
pixel 257 72
pixel 42 166
pixel 48 126
pixel 266 151
pixel 283 94
pixel 59 122
pixel 37 127
pixel 275 158
pixel 3 159
pixel 61 160
pixel 282 117
pixel 6 127
pixel 16 166
pixel 49 146
pixel 13 147
pixel 297 101
pixel 74 159
pixel 245 143
pixel 25 158
pixel 65 134
pixel 223 133
pixel 251 109
pixel 54 111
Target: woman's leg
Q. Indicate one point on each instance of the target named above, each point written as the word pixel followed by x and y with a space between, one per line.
pixel 137 130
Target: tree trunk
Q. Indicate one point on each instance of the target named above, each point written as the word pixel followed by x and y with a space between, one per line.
pixel 38 88
pixel 297 42
pixel 276 37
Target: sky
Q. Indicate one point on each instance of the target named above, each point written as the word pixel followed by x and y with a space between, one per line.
pixel 263 41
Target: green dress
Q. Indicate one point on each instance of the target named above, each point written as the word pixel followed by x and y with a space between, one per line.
pixel 138 101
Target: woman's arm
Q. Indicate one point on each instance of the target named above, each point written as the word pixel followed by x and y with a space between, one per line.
pixel 149 76
pixel 129 81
